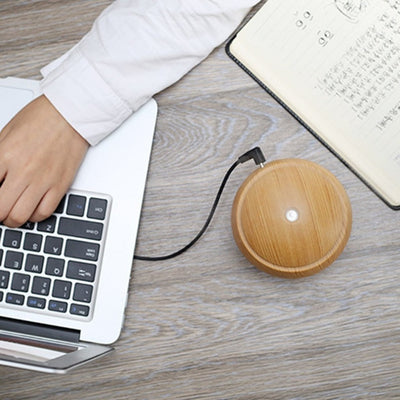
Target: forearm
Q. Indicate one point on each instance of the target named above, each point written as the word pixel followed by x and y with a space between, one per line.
pixel 135 49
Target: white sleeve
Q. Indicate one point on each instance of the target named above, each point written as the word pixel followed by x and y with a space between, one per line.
pixel 135 49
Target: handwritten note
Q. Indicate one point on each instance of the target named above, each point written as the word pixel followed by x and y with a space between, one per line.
pixel 336 65
pixel 369 71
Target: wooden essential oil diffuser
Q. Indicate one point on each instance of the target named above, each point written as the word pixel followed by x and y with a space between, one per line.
pixel 291 218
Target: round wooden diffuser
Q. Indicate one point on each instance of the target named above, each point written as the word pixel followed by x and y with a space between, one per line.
pixel 291 218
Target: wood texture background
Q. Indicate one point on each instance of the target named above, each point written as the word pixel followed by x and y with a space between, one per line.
pixel 208 325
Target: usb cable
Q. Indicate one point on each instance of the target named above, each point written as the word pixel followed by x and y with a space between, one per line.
pixel 254 154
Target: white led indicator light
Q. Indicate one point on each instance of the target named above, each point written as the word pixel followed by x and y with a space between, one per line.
pixel 292 215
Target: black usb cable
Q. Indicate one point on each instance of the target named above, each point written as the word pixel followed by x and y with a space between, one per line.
pixel 254 154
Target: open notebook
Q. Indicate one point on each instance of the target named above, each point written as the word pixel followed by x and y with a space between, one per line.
pixel 335 66
pixel 64 282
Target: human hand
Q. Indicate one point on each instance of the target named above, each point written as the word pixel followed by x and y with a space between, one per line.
pixel 40 154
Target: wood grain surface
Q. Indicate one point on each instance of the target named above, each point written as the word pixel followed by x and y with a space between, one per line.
pixel 208 325
pixel 291 218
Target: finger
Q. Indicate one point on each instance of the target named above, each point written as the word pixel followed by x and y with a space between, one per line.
pixel 10 192
pixel 3 170
pixel 24 206
pixel 48 204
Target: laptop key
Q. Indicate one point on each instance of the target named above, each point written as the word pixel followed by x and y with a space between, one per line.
pixel 28 225
pixel 12 238
pixel 80 228
pixel 62 289
pixel 83 293
pixel 13 260
pixel 81 271
pixel 97 208
pixel 41 285
pixel 13 298
pixel 33 242
pixel 4 278
pixel 82 250
pixel 34 263
pixel 55 266
pixel 78 309
pixel 36 302
pixel 58 306
pixel 20 282
pixel 60 207
pixel 76 205
pixel 53 245
pixel 48 225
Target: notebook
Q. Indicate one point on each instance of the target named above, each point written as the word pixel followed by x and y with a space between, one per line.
pixel 64 282
pixel 335 66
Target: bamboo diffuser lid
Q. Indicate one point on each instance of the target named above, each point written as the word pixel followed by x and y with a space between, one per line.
pixel 291 218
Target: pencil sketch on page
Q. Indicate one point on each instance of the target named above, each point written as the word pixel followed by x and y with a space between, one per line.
pixel 351 9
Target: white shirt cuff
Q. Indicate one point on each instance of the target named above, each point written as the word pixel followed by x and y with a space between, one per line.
pixel 84 99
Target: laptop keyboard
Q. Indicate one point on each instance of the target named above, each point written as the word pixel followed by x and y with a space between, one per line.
pixel 53 266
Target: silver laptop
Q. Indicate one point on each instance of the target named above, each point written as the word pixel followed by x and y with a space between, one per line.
pixel 64 282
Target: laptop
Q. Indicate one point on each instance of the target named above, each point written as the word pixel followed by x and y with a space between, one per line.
pixel 64 281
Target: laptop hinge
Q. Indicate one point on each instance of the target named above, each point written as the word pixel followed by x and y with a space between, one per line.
pixel 39 330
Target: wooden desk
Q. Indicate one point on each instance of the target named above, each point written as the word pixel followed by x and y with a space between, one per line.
pixel 207 325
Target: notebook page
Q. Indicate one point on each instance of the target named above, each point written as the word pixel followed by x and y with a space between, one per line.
pixel 337 65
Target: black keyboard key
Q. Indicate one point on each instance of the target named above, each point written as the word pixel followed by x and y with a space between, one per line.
pixel 97 208
pixel 60 207
pixel 14 298
pixel 78 309
pixel 80 228
pixel 82 250
pixel 41 286
pixel 81 271
pixel 61 289
pixel 28 225
pixel 1 256
pixel 4 279
pixel 48 225
pixel 2 295
pixel 53 245
pixel 34 263
pixel 55 266
pixel 83 293
pixel 33 242
pixel 20 282
pixel 13 260
pixel 12 238
pixel 58 306
pixel 36 302
pixel 76 205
